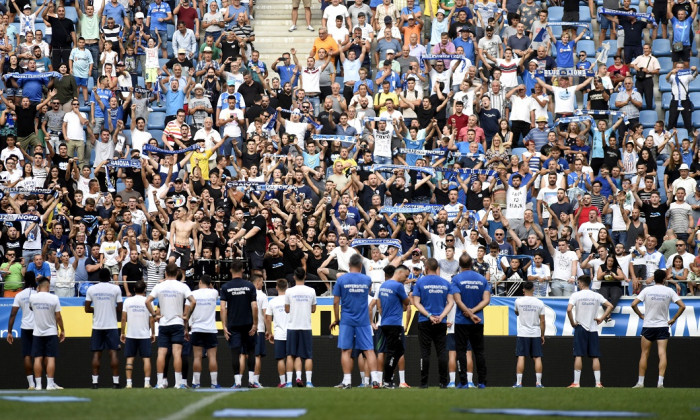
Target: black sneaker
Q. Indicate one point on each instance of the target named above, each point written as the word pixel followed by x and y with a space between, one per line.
pixel 423 386
pixel 116 386
pixel 94 386
pixel 389 386
pixel 343 386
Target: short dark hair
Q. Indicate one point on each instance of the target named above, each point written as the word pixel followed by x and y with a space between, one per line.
pixel 528 285
pixel 140 286
pixel 206 279
pixel 587 279
pixel 104 275
pixel 281 284
pixel 171 270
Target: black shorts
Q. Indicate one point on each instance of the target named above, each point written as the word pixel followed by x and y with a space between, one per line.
pixel 202 339
pixel 682 55
pixel 256 259
pixel 184 253
pixel 240 339
pixel 27 339
pixel 45 346
pixel 171 334
pixel 528 346
pixel 570 17
pixel 659 13
pixel 586 343
pixel 104 340
pixel 140 346
pixel 260 345
pixel 299 344
pixel 280 349
pixel 654 334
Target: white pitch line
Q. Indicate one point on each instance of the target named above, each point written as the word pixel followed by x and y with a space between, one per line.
pixel 193 408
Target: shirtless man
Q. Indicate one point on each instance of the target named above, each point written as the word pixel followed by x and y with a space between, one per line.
pixel 181 231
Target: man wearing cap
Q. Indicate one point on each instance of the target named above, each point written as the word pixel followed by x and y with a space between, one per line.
pixel 184 39
pixel 199 107
pixel 384 45
pixel 90 31
pixel 207 62
pixel 685 181
pixel 181 58
pixel 538 134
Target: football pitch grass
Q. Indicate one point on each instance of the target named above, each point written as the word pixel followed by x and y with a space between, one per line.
pixel 329 403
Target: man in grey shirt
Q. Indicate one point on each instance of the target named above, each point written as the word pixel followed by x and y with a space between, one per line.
pixel 52 124
pixel 357 8
pixel 199 106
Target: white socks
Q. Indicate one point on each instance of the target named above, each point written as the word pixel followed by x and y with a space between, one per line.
pixel 129 382
pixel 160 379
pixel 661 381
pixel 214 378
pixel 195 377
pixel 49 382
pixel 178 378
pixel 298 375
pixel 256 378
pixel 251 377
pixel 596 374
pixel 147 380
pixel 452 376
pixel 347 379
pixel 115 380
pixel 37 385
pixel 308 375
pixel 30 380
pixel 518 378
pixel 538 377
pixel 577 376
pixel 402 376
pixel 282 381
pixel 470 376
pixel 95 379
pixel 640 380
pixel 289 377
pixel 237 379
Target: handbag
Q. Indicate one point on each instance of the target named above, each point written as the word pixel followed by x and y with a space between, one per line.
pixel 677 46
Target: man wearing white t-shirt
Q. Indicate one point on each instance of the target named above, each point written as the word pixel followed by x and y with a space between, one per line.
pixel 172 321
pixel 104 301
pixel 564 95
pixel 203 331
pixel 277 313
pixel 657 299
pixel 516 198
pixel 531 327
pixel 342 254
pixel 139 335
pixel 586 303
pixel 260 345
pixel 299 303
pixel 588 231
pixel 21 301
pixel 48 332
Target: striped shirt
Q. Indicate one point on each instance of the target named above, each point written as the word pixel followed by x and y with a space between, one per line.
pixel 155 273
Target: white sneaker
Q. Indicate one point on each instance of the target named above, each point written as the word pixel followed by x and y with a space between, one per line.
pixel 310 28
pixel 128 386
pixel 638 386
pixel 292 28
pixel 54 387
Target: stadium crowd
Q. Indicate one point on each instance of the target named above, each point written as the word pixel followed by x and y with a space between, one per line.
pixel 136 134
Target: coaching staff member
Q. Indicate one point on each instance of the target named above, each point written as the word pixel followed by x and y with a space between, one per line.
pixel 432 296
pixel 239 318
pixel 472 294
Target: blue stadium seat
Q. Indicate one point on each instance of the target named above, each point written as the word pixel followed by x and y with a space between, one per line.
pixel 156 134
pixel 666 100
pixel 695 97
pixel 162 61
pixel 682 133
pixel 91 83
pixel 156 121
pixel 648 118
pixel 518 151
pixel 586 45
pixel 171 31
pixel 696 120
pixel 556 31
pixel 584 13
pixel 666 64
pixel 556 13
pixel 664 86
pixel 695 61
pixel 611 102
pixel 71 14
pixel 694 86
pixel 141 81
pixel 661 47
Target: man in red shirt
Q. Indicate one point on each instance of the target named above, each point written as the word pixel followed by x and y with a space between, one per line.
pixel 186 13
pixel 458 120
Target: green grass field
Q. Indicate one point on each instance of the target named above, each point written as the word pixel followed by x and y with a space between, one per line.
pixel 328 403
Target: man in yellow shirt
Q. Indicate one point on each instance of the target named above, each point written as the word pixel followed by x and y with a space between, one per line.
pixel 200 157
pixel 325 42
pixel 381 97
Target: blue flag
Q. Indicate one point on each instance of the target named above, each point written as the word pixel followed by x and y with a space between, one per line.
pixel 540 35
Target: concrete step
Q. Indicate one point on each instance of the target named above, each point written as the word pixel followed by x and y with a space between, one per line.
pixel 285 22
pixel 274 32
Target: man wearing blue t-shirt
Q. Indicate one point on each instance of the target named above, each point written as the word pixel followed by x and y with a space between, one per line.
pixel 432 297
pixel 391 304
pixel 352 291
pixel 472 295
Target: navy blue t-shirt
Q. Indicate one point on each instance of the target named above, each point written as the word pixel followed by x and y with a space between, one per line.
pixel 471 286
pixel 391 295
pixel 353 290
pixel 238 294
pixel 432 291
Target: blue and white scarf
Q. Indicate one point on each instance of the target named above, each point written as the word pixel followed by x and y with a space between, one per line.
pixel 316 125
pixel 29 191
pixel 375 119
pixel 342 139
pixel 120 163
pixel 461 58
pixel 19 218
pixel 27 76
pixel 376 242
pixel 127 89
pixel 147 148
pixel 411 208
pixel 575 118
pixel 272 122
pixel 585 25
pixel 478 156
pixel 646 17
pixel 612 114
pixel 384 167
pixel 260 186
pixel 422 152
pixel 565 73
